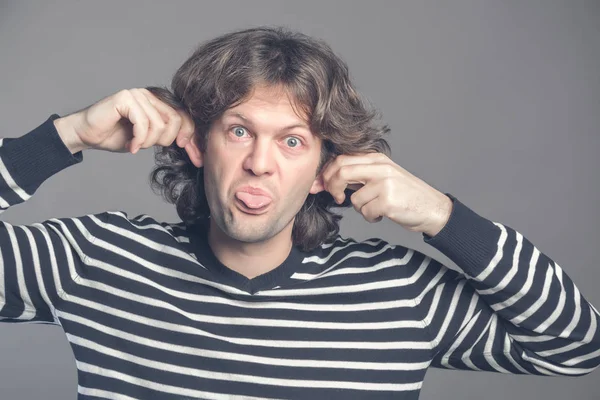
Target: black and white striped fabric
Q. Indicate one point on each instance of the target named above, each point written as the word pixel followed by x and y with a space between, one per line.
pixel 151 313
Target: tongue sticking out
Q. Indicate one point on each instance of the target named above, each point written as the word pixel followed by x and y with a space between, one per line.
pixel 253 200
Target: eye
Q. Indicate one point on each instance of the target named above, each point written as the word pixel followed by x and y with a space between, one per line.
pixel 239 131
pixel 293 141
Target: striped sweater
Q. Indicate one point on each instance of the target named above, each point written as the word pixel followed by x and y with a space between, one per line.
pixel 151 313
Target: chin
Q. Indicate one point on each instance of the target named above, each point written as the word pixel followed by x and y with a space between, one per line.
pixel 249 228
pixel 251 234
pixel 248 231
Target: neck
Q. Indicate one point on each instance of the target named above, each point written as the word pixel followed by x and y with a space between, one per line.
pixel 250 259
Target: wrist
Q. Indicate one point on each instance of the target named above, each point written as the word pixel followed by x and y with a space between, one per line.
pixel 440 217
pixel 65 128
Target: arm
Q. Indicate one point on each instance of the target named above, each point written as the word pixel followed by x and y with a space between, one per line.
pixel 513 310
pixel 36 261
pixel 39 261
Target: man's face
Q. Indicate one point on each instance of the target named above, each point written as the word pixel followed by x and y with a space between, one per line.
pixel 261 143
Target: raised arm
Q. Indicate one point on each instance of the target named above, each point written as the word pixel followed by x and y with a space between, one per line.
pixel 513 310
pixel 38 262
pixel 35 259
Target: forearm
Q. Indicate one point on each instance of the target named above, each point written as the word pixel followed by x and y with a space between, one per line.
pixel 514 311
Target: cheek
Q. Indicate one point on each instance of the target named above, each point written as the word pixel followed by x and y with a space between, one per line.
pixel 220 176
pixel 212 178
pixel 298 186
pixel 209 182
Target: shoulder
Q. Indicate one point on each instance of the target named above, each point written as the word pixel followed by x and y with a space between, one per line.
pixel 368 248
pixel 349 256
pixel 135 226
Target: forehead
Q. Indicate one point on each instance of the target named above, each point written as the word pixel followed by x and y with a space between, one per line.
pixel 274 100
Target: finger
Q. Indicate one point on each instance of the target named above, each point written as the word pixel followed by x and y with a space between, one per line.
pixel 186 123
pixel 372 211
pixel 365 194
pixel 157 124
pixel 333 182
pixel 354 176
pixel 188 129
pixel 129 108
pixel 349 159
pixel 172 117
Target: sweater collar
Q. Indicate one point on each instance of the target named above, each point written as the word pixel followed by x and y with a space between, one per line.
pixel 269 280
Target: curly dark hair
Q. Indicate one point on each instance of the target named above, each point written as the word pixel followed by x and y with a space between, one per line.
pixel 222 72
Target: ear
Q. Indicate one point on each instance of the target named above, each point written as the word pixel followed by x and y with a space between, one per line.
pixel 317 185
pixel 194 152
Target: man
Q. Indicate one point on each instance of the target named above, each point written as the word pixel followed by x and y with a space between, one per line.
pixel 255 294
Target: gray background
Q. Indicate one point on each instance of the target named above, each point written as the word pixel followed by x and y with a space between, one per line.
pixel 495 102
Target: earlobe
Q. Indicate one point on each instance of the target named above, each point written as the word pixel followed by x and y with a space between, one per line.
pixel 196 156
pixel 317 185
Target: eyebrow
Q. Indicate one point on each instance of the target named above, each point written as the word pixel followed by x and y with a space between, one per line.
pixel 242 117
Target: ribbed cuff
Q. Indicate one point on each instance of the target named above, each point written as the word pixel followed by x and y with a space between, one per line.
pixel 37 155
pixel 468 239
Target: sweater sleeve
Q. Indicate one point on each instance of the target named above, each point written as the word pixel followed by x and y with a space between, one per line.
pixel 511 310
pixel 37 261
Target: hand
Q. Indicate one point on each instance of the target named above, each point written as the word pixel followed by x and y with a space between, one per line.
pixel 125 121
pixel 384 189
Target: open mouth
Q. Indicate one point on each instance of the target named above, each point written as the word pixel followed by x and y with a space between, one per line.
pixel 255 211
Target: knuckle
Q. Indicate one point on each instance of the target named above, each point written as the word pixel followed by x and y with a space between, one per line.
pixel 164 142
pixel 153 136
pixel 124 94
pixel 388 184
pixel 159 125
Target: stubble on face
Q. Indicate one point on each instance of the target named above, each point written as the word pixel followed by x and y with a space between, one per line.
pixel 258 228
pixel 289 181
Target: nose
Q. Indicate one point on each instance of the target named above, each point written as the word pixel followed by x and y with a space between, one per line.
pixel 260 160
